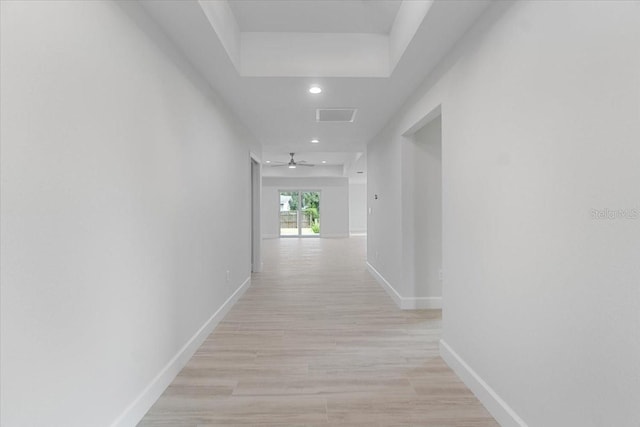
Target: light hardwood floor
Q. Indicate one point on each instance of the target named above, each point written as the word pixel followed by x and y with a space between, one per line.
pixel 315 341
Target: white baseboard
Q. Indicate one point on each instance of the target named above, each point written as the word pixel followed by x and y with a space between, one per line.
pixel 496 406
pixel 141 405
pixel 421 303
pixel 404 303
pixel 395 296
pixel 259 269
pixel 334 236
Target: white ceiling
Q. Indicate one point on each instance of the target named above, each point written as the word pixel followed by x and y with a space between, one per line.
pixel 327 16
pixel 276 105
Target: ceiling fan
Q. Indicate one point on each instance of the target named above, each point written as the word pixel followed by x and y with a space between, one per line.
pixel 292 163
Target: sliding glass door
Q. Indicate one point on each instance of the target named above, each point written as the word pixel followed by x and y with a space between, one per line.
pixel 289 213
pixel 299 213
pixel 310 213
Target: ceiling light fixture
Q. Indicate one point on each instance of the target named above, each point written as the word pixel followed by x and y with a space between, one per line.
pixel 324 161
pixel 292 166
pixel 315 89
pixel 268 161
pixel 315 141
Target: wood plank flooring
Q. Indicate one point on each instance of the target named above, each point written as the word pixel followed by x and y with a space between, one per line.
pixel 315 341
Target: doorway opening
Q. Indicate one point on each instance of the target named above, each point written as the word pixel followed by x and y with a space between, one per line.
pixel 422 212
pixel 299 213
pixel 427 204
pixel 256 236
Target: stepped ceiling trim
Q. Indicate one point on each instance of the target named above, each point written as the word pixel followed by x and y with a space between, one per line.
pixel 313 53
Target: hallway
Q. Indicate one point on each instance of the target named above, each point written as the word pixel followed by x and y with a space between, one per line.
pixel 316 341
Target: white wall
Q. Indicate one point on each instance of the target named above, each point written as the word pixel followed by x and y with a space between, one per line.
pixel 541 123
pixel 384 224
pixel 116 163
pixel 334 203
pixel 357 208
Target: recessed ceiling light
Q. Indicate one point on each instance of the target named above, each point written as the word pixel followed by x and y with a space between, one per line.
pixel 315 89
pixel 324 161
pixel 268 161
pixel 292 166
pixel 315 141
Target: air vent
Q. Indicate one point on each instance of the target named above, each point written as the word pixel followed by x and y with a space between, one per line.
pixel 335 115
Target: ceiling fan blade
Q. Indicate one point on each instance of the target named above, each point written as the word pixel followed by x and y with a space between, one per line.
pixel 292 163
